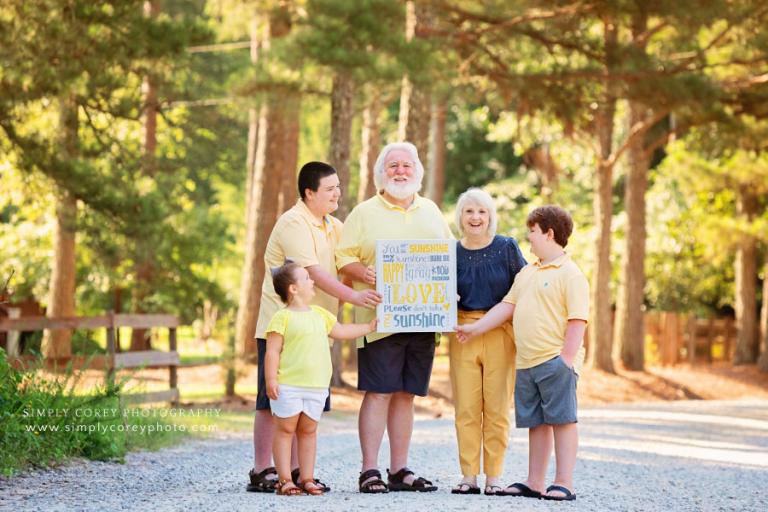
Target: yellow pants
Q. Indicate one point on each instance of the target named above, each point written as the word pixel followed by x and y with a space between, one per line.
pixel 483 383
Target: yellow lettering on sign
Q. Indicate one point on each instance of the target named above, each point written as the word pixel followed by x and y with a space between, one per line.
pixel 394 272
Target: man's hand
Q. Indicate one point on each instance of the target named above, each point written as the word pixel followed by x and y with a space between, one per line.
pixel 465 332
pixel 367 299
pixel 372 324
pixel 370 275
pixel 272 389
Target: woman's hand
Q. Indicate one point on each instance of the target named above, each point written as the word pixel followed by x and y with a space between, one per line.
pixel 372 324
pixel 465 332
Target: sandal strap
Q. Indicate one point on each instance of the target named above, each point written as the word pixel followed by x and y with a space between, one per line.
pixel 399 476
pixel 365 475
pixel 421 482
pixel 266 471
pixel 316 490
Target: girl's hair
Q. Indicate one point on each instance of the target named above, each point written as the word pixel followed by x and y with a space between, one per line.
pixel 283 277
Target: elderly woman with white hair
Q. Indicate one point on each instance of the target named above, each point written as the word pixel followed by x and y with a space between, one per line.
pixel 483 369
pixel 392 367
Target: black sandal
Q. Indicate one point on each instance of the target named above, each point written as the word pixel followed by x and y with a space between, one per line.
pixel 397 482
pixel 493 490
pixel 567 494
pixel 295 477
pixel 465 488
pixel 260 482
pixel 369 487
pixel 522 491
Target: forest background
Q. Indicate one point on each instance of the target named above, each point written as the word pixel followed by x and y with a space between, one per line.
pixel 147 147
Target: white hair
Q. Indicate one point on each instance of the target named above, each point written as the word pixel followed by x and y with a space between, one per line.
pixel 484 199
pixel 380 172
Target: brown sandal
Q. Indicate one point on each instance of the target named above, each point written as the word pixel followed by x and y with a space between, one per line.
pixel 314 490
pixel 292 490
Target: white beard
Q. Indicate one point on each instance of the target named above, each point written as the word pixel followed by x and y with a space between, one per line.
pixel 402 191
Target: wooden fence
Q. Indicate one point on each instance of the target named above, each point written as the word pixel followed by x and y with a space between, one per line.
pixel 678 337
pixel 112 360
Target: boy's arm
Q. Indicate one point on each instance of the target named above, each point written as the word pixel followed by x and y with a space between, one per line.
pixel 359 272
pixel 332 286
pixel 271 363
pixel 495 316
pixel 574 335
pixel 351 331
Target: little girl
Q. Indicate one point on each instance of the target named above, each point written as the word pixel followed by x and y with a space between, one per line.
pixel 298 370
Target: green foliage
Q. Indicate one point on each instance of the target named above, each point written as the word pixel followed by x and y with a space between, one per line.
pixel 472 159
pixel 356 37
pixel 45 422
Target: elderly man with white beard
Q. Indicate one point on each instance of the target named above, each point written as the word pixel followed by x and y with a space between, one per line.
pixel 392 368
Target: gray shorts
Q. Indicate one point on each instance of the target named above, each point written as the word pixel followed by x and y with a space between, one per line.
pixel 545 395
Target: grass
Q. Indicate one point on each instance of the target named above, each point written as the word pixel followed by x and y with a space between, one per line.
pixel 44 422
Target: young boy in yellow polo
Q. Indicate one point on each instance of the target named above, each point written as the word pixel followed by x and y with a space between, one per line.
pixel 549 304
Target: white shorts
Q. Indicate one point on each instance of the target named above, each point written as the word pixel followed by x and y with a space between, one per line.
pixel 291 400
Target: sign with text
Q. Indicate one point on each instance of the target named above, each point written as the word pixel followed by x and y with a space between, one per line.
pixel 417 282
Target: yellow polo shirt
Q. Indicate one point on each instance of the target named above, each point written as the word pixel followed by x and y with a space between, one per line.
pixel 298 235
pixel 545 298
pixel 378 219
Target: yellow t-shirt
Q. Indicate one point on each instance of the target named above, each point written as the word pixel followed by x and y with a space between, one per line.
pixel 299 236
pixel 545 298
pixel 378 219
pixel 306 356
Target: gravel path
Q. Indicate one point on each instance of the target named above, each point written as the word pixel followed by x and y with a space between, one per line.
pixel 679 456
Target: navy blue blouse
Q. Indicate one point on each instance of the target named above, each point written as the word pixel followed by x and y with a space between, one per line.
pixel 484 276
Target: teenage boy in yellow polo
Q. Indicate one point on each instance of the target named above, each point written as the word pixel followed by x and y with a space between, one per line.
pixel 549 304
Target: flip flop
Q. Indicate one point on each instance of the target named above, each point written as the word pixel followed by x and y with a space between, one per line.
pixel 525 491
pixel 569 496
pixel 465 488
pixel 493 490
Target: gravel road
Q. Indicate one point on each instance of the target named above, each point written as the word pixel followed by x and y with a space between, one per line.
pixel 679 456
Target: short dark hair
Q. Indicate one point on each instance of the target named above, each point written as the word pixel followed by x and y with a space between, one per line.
pixel 283 277
pixel 310 175
pixel 554 218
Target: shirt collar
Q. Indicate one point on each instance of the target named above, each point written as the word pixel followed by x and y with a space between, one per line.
pixel 557 263
pixel 416 203
pixel 307 213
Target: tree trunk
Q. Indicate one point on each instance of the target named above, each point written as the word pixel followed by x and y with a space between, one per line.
pixel 539 158
pixel 278 116
pixel 341 134
pixel 415 102
pixel 600 335
pixel 629 329
pixel 371 142
pixel 144 267
pixel 289 186
pixel 762 362
pixel 253 122
pixel 437 153
pixel 338 156
pixel 746 283
pixel 61 302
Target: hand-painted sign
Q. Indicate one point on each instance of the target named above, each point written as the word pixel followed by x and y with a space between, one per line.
pixel 417 281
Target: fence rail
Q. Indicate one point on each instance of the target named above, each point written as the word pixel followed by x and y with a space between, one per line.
pixel 112 360
pixel 679 337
